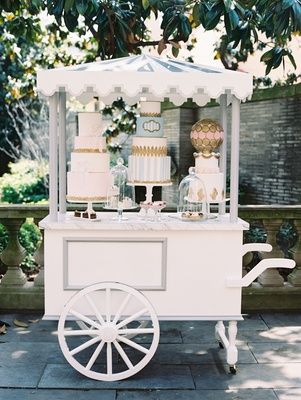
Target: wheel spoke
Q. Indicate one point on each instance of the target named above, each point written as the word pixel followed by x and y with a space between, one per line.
pixel 79 332
pixel 109 358
pixel 108 304
pixel 95 355
pixel 121 308
pixel 85 345
pixel 123 355
pixel 131 318
pixel 82 325
pixel 94 308
pixel 133 344
pixel 136 331
pixel 85 319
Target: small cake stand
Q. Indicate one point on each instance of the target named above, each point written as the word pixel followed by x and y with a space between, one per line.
pixel 89 209
pixel 120 217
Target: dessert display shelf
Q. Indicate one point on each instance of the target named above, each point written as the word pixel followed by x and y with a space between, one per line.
pixel 109 283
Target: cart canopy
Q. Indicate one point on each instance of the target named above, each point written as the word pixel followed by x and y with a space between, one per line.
pixel 154 78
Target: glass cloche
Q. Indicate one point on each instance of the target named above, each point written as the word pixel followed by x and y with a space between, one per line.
pixel 120 196
pixel 192 198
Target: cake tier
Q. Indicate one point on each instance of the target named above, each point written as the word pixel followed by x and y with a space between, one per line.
pixel 155 147
pixel 90 143
pixel 90 162
pixel 205 165
pixel 150 126
pixel 88 186
pixel 214 187
pixel 145 170
pixel 89 124
pixel 150 108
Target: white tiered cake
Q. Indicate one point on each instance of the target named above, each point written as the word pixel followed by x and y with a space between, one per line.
pixel 149 163
pixel 89 178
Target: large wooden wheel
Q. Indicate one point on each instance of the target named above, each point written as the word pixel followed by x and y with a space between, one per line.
pixel 113 341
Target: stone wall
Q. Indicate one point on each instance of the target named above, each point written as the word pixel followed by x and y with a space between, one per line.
pixel 270 153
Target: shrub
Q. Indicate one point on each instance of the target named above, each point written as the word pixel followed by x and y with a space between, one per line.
pixel 27 182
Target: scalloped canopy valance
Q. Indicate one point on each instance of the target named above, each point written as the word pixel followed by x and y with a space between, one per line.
pixel 146 76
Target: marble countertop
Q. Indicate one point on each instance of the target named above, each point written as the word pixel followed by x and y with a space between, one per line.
pixel 169 222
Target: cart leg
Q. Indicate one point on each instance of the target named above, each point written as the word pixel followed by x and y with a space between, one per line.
pixel 232 349
pixel 220 333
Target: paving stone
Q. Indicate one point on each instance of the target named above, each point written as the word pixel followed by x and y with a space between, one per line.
pixel 276 352
pixel 282 319
pixel 288 394
pixel 197 354
pixel 41 331
pixel 20 376
pixel 41 394
pixel 248 376
pixel 151 377
pixel 30 353
pixel 243 394
pixel 288 334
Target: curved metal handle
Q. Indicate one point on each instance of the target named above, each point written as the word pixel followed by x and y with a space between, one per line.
pixel 258 269
pixel 262 247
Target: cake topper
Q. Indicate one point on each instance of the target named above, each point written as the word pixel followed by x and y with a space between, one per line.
pixel 206 136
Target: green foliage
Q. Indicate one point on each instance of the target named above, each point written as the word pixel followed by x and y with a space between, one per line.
pixel 26 183
pixel 123 121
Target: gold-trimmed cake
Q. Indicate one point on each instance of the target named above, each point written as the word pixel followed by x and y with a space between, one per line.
pixel 149 162
pixel 89 177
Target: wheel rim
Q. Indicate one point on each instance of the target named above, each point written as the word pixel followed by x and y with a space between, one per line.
pixel 108 331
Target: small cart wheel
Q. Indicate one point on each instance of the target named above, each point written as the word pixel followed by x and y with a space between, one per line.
pixel 232 369
pixel 108 330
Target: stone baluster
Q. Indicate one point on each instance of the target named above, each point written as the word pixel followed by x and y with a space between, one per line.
pixel 271 276
pixel 295 276
pixel 13 254
pixel 39 258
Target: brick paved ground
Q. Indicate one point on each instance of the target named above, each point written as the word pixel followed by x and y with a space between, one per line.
pixel 187 365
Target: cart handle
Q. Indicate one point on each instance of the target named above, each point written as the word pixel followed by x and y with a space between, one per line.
pixel 258 269
pixel 262 247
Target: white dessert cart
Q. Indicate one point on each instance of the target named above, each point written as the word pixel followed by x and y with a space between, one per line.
pixel 108 283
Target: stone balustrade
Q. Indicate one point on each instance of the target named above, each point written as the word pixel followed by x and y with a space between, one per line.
pixel 274 290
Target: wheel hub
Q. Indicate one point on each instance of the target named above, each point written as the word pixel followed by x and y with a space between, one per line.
pixel 108 333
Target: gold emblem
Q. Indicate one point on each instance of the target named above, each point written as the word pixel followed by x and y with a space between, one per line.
pixel 201 195
pixel 214 194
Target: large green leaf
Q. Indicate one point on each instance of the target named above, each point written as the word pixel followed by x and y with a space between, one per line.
pixel 70 21
pixel 81 6
pixel 68 5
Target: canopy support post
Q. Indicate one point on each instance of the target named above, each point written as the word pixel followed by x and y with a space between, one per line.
pixel 62 152
pixel 234 159
pixel 53 158
pixel 223 149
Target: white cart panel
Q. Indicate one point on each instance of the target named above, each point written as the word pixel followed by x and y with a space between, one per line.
pixel 181 267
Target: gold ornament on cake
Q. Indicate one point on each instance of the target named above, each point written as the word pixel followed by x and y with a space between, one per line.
pixel 206 135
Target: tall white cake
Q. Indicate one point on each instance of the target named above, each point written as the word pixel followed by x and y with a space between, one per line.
pixel 206 135
pixel 89 177
pixel 149 162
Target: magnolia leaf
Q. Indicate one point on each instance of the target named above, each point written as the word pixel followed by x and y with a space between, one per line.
pixel 68 5
pixel 196 14
pixel 3 330
pixel 21 324
pixel 175 51
pixel 161 46
pixel 33 321
pixel 145 4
